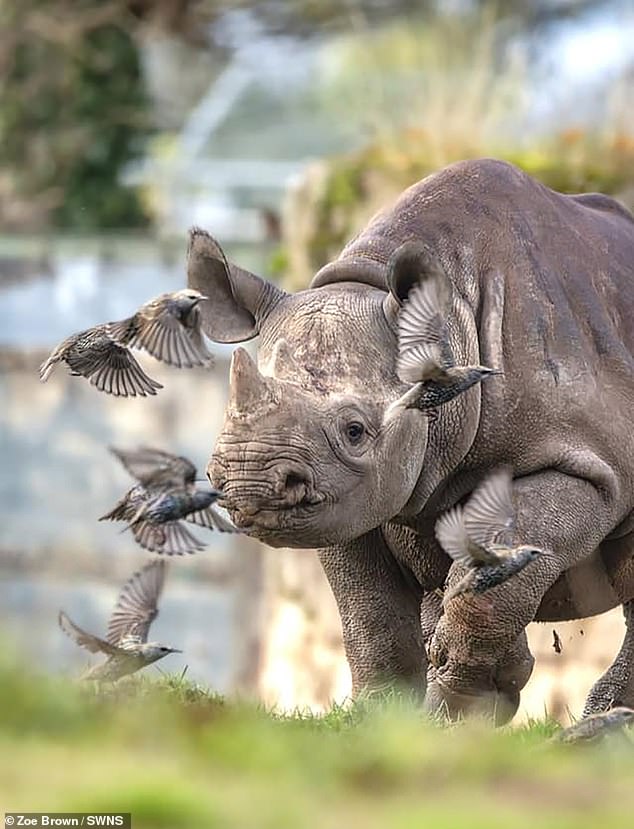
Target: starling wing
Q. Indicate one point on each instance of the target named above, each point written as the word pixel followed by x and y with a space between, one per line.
pixel 171 538
pixel 137 605
pixel 452 536
pixel 489 514
pixel 85 640
pixel 213 520
pixel 424 349
pixel 129 505
pixel 156 468
pixel 110 367
pixel 158 331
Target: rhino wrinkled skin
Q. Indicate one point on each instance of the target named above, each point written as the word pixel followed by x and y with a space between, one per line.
pixel 543 289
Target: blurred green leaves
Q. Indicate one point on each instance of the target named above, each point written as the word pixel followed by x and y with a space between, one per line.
pixel 73 113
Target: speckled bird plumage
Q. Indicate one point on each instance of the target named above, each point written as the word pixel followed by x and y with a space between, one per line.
pixel 166 494
pixel 168 328
pixel 596 726
pixel 477 534
pixel 110 367
pixel 126 644
pixel 425 355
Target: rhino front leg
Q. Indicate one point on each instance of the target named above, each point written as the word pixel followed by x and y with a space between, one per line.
pixel 478 643
pixel 616 686
pixel 379 607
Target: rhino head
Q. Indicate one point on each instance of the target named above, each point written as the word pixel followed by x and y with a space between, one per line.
pixel 305 458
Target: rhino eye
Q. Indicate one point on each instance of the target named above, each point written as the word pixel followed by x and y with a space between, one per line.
pixel 355 431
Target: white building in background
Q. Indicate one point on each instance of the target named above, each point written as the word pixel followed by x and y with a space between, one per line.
pixel 250 133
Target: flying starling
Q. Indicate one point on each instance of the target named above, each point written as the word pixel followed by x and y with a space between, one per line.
pixel 425 355
pixel 596 726
pixel 126 644
pixel 168 328
pixel 476 535
pixel 166 493
pixel 109 367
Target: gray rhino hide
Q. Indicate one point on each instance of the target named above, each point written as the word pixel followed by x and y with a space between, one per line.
pixel 543 289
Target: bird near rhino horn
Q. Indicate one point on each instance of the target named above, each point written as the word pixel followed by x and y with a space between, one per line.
pixel 165 496
pixel 168 327
pixel 109 366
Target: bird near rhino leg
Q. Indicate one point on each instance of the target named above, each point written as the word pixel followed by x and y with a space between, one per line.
pixel 564 516
pixel 475 537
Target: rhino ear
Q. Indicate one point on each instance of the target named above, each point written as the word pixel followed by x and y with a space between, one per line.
pixel 410 263
pixel 238 301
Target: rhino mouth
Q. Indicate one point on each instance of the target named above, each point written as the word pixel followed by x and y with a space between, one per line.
pixel 260 520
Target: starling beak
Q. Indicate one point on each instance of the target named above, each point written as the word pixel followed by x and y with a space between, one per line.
pixel 126 644
pixel 477 536
pixel 166 494
pixel 108 366
pixel 168 328
pixel 425 355
pixel 596 726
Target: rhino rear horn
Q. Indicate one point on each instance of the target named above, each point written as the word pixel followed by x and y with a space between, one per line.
pixel 249 391
pixel 237 301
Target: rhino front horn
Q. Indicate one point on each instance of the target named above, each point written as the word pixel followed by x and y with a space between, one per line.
pixel 249 391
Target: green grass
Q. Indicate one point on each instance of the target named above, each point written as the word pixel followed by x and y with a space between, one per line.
pixel 174 755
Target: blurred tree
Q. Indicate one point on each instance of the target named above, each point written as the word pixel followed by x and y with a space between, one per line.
pixel 73 113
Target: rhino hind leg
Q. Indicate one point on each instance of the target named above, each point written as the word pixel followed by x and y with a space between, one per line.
pixel 616 686
pixel 473 668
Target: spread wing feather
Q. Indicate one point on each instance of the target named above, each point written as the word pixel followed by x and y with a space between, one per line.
pixel 128 506
pixel 156 468
pixel 489 514
pixel 424 348
pixel 137 605
pixel 421 362
pixel 162 335
pixel 171 538
pixel 452 536
pixel 92 643
pixel 213 520
pixel 112 369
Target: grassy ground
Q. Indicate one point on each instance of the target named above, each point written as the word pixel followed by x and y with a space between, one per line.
pixel 175 755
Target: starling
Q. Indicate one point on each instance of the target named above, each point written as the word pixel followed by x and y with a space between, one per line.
pixel 126 644
pixel 109 366
pixel 596 726
pixel 166 493
pixel 168 328
pixel 425 355
pixel 475 536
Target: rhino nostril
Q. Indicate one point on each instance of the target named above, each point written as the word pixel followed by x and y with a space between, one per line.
pixel 293 481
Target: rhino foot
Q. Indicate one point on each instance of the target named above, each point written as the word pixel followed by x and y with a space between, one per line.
pixel 616 687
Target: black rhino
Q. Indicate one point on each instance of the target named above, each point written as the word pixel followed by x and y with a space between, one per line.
pixel 543 289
